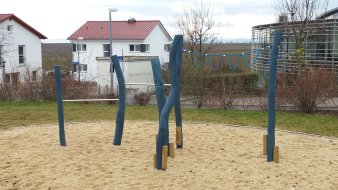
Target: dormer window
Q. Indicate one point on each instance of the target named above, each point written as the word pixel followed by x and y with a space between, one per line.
pixel 10 29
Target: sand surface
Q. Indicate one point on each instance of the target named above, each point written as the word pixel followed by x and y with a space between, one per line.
pixel 213 157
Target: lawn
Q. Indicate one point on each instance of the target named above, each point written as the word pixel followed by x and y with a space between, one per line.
pixel 26 113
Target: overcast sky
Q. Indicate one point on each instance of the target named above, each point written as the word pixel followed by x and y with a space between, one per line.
pixel 58 19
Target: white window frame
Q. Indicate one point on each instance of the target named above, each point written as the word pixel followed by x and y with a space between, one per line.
pixel 106 52
pixel 79 47
pixel 22 56
pixel 166 47
pixel 137 48
pixel 82 66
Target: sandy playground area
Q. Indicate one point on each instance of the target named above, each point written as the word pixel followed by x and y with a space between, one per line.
pixel 214 157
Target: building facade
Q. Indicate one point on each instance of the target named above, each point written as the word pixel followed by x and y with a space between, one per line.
pixel 135 42
pixel 20 50
pixel 319 46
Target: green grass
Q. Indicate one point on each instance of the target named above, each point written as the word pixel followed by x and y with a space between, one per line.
pixel 24 114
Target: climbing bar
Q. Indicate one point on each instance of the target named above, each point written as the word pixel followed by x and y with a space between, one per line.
pixel 149 84
pixel 90 100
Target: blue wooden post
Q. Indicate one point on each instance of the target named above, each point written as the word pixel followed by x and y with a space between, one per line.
pixel 163 131
pixel 59 98
pixel 272 95
pixel 159 84
pixel 177 75
pixel 122 102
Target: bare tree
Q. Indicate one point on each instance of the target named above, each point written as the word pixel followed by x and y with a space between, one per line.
pixel 301 14
pixel 196 24
pixel 6 42
pixel 310 86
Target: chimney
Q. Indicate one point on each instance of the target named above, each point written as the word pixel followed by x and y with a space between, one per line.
pixel 131 20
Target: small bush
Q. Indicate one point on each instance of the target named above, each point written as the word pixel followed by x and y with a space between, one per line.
pixel 308 89
pixel 142 98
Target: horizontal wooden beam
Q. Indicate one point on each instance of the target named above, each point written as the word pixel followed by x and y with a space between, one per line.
pixel 90 100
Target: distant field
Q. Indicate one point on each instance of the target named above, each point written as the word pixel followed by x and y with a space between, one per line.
pixel 56 53
pixel 232 48
pixel 61 53
pixel 56 49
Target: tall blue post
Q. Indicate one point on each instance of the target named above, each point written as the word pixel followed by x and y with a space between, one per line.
pixel 122 102
pixel 59 98
pixel 163 131
pixel 177 105
pixel 159 84
pixel 272 95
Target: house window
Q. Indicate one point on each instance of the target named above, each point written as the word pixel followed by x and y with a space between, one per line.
pixel 15 78
pixel 21 54
pixel 167 47
pixel 110 68
pixel 10 29
pixel 106 50
pixel 1 56
pixel 12 78
pixel 83 67
pixel 79 47
pixel 74 67
pixel 8 78
pixel 83 47
pixel 34 75
pixel 139 47
pixel 131 48
pixel 134 47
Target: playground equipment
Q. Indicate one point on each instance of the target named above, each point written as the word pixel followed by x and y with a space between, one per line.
pixel 121 105
pixel 162 141
pixel 122 102
pixel 272 99
pixel 164 108
pixel 148 84
pixel 233 61
pixel 62 135
pixel 163 147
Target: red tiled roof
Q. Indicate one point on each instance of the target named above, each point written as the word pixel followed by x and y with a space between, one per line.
pixel 4 17
pixel 121 30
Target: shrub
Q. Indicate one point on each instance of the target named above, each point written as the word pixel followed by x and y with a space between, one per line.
pixel 142 98
pixel 308 89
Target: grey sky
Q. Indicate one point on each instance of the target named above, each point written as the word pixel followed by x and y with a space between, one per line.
pixel 59 19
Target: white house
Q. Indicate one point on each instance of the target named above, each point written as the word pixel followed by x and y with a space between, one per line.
pixel 135 42
pixel 20 49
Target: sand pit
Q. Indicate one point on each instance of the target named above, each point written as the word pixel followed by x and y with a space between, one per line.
pixel 213 157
